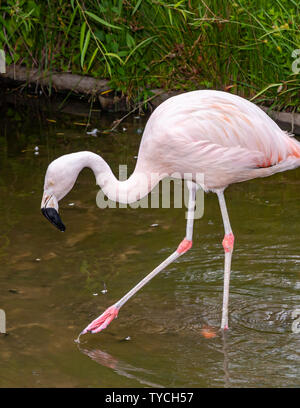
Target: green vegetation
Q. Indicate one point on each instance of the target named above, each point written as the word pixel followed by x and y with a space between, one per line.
pixel 241 46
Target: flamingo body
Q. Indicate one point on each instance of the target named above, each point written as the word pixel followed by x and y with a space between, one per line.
pixel 222 136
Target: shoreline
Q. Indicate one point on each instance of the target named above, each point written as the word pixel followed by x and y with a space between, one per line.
pixel 87 87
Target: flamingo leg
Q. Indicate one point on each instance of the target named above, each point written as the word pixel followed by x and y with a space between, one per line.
pixel 228 242
pixel 111 313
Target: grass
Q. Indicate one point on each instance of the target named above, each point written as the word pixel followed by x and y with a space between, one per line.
pixel 243 47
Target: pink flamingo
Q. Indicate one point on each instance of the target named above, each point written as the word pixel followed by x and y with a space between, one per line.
pixel 221 135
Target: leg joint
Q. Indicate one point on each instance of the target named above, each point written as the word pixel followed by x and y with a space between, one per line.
pixel 184 246
pixel 228 242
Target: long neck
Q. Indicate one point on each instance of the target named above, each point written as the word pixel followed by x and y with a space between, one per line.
pixel 137 186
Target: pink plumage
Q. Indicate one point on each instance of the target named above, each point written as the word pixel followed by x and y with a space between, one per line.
pixel 224 136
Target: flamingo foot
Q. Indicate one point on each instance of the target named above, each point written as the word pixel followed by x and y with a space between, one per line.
pixel 102 321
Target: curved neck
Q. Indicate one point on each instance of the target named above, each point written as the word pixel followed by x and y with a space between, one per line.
pixel 137 186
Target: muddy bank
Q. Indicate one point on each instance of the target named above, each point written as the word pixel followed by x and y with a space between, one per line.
pixel 103 95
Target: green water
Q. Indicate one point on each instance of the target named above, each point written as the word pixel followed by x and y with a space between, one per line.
pixel 49 280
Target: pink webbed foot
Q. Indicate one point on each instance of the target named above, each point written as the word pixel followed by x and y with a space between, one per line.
pixel 102 321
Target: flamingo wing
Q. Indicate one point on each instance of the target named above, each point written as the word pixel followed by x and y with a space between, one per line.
pixel 219 134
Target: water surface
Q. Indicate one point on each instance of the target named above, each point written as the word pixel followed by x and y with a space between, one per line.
pixel 51 283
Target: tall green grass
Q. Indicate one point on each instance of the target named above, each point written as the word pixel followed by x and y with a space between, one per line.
pixel 242 46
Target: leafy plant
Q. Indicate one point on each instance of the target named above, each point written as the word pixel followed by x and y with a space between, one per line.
pixel 239 46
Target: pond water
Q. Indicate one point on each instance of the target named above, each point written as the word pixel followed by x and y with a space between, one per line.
pixel 167 335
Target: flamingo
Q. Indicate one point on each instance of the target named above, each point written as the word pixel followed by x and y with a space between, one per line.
pixel 221 135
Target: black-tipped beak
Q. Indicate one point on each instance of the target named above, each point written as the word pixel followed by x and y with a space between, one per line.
pixel 52 215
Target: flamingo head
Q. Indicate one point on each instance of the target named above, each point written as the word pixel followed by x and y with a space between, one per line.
pixel 59 180
pixel 49 209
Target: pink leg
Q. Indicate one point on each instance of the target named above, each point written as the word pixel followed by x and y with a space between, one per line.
pixel 112 312
pixel 228 242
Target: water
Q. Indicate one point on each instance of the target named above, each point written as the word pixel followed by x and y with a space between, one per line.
pixel 53 284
